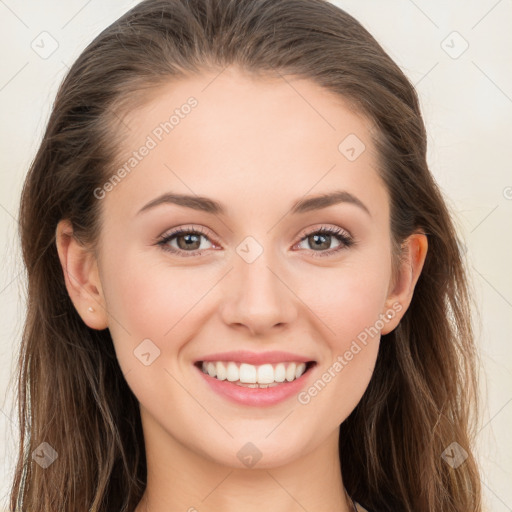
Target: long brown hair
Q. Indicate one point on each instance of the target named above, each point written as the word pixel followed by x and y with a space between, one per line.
pixel 72 393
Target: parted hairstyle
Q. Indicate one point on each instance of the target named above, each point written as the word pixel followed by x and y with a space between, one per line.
pixel 71 391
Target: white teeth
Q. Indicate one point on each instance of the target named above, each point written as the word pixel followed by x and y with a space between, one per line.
pixel 265 375
pixel 232 374
pixel 301 368
pixel 212 370
pixel 290 372
pixel 280 372
pixel 222 372
pixel 247 373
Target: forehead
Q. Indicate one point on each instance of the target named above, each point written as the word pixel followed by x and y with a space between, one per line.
pixel 235 134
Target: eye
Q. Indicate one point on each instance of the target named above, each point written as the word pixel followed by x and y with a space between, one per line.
pixel 322 238
pixel 184 241
pixel 187 241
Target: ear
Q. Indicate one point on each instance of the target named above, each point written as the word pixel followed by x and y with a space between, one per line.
pixel 81 276
pixel 414 252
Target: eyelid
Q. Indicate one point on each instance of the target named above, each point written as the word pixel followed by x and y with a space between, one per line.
pixel 184 229
pixel 322 227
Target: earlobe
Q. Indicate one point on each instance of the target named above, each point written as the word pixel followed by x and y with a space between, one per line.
pixel 414 252
pixel 81 276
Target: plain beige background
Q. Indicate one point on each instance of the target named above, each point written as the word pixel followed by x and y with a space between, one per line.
pixel 457 53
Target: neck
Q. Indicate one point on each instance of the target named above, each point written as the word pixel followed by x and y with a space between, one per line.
pixel 184 480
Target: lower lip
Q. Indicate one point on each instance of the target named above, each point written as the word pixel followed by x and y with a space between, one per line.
pixel 256 396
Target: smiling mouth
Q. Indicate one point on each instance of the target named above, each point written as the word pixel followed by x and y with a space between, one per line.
pixel 255 376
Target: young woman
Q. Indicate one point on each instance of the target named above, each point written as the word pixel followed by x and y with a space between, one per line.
pixel 245 288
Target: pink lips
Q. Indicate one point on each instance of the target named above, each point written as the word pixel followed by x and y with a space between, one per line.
pixel 255 358
pixel 256 396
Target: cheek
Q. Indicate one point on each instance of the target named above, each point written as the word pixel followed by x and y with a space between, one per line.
pixel 152 300
pixel 153 309
pixel 348 303
pixel 148 300
pixel 348 299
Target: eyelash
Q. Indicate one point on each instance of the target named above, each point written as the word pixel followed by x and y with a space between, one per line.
pixel 338 233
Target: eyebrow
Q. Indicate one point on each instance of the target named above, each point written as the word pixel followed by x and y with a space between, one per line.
pixel 208 205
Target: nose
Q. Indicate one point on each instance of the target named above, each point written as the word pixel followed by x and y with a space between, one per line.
pixel 257 297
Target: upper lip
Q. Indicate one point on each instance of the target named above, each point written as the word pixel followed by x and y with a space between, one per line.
pixel 256 358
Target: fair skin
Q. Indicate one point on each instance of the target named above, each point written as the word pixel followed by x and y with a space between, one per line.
pixel 256 146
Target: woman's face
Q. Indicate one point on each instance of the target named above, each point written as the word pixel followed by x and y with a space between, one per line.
pixel 251 280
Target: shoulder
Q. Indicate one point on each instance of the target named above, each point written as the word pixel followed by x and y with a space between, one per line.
pixel 360 508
